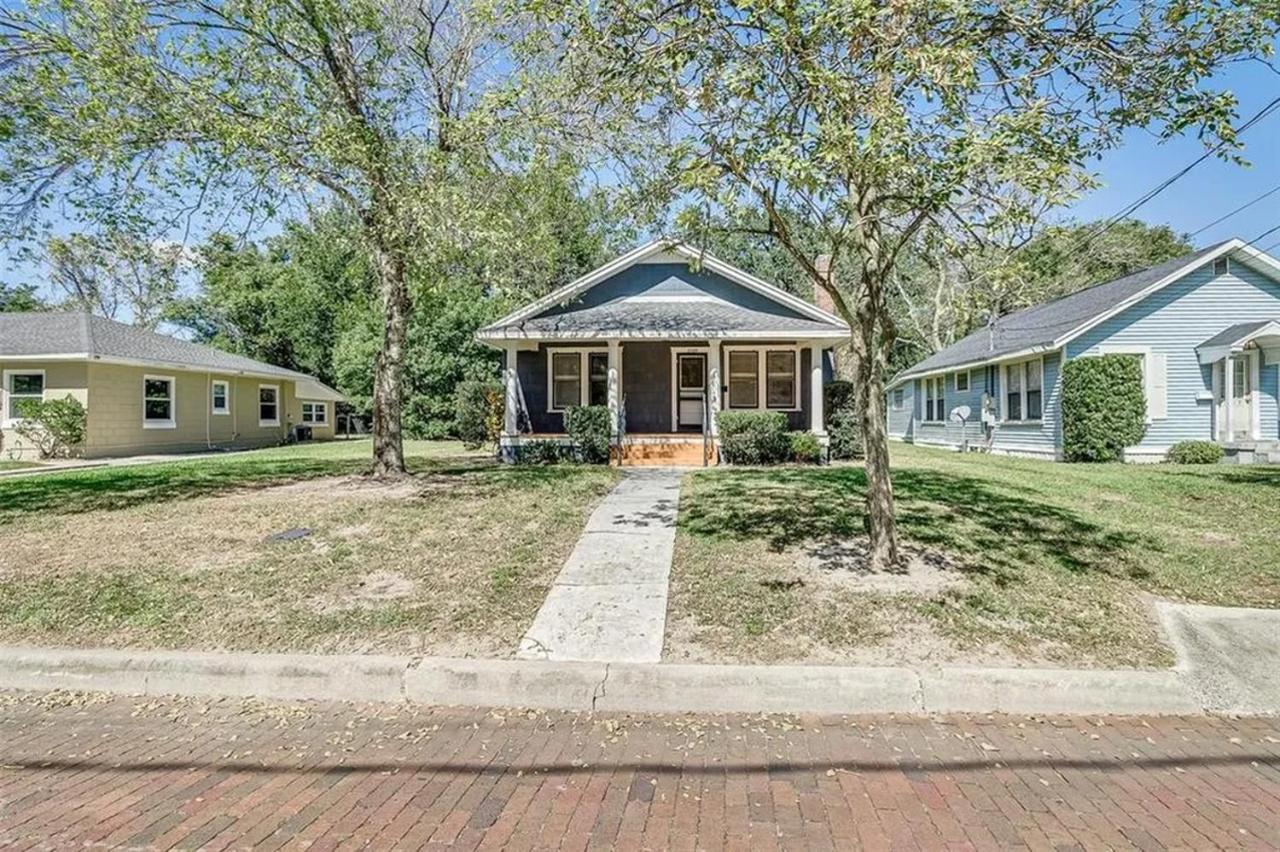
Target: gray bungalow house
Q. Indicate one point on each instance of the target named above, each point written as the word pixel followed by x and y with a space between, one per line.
pixel 666 336
pixel 1206 326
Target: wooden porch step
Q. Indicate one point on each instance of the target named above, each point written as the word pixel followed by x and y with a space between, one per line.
pixel 671 453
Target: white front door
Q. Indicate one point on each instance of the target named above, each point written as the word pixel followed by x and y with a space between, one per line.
pixel 691 387
pixel 1243 397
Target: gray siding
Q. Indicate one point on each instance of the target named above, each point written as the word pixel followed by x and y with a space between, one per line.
pixel 646 386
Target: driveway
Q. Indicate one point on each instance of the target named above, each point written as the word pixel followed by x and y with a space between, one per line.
pixel 1229 656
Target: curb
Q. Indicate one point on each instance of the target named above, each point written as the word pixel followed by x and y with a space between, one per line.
pixel 616 687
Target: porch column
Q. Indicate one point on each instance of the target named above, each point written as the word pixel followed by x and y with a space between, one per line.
pixel 1229 398
pixel 713 384
pixel 817 421
pixel 511 385
pixel 615 386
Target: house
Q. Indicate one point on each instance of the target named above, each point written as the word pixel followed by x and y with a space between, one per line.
pixel 666 336
pixel 1205 326
pixel 148 393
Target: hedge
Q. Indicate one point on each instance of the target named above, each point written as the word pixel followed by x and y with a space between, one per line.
pixel 1104 408
pixel 588 428
pixel 844 424
pixel 754 437
pixel 1196 452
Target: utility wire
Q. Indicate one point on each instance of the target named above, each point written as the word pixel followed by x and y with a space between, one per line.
pixel 1245 206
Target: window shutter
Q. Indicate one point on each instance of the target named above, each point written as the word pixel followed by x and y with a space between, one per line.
pixel 1158 402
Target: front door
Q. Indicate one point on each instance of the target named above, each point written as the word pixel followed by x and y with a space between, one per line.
pixel 691 388
pixel 1242 397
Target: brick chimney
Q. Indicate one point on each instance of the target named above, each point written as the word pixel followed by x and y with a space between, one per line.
pixel 821 297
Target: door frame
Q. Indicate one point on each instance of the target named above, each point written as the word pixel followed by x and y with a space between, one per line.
pixel 676 352
pixel 1253 369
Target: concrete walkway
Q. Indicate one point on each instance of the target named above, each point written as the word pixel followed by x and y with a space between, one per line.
pixel 609 602
pixel 1230 655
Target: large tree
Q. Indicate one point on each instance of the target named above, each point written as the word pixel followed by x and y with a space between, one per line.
pixel 140 113
pixel 116 275
pixel 19 298
pixel 871 119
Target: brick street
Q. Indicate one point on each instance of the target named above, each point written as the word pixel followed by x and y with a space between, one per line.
pixel 87 770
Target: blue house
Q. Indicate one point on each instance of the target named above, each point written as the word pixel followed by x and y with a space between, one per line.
pixel 1205 326
pixel 666 336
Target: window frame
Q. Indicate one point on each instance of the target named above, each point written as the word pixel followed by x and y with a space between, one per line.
pixel 762 377
pixel 315 405
pixel 584 374
pixel 171 422
pixel 1023 396
pixel 6 394
pixel 935 401
pixel 899 399
pixel 226 395
pixel 968 381
pixel 267 423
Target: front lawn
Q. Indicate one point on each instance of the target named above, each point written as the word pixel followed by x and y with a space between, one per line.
pixel 188 554
pixel 1042 563
pixel 16 465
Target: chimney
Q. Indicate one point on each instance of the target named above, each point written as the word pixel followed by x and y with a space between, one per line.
pixel 821 298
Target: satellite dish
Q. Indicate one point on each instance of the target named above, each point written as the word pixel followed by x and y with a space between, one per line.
pixel 960 413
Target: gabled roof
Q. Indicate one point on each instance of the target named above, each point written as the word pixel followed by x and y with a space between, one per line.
pixel 1237 335
pixel 68 335
pixel 554 316
pixel 1051 325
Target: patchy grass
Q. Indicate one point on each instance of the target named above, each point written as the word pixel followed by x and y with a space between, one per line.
pixel 455 560
pixel 1055 559
pixel 17 465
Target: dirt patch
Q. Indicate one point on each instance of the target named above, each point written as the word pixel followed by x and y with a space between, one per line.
pixel 844 564
pixel 346 488
pixel 379 586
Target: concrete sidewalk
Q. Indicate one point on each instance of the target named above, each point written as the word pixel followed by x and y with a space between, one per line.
pixel 609 602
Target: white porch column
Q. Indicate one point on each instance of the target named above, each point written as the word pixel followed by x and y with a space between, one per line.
pixel 1229 398
pixel 817 420
pixel 713 384
pixel 511 384
pixel 615 386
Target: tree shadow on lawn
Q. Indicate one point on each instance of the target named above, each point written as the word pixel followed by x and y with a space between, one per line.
pixel 992 528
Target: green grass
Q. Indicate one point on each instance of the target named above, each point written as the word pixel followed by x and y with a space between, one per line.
pixel 1056 557
pixel 17 465
pixel 455 560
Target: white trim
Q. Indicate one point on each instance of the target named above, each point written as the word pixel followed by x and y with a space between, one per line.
pixel 676 352
pixel 927 398
pixel 258 401
pixel 324 407
pixel 584 377
pixel 706 260
pixel 762 376
pixel 1023 420
pixel 226 386
pixel 824 336
pixel 6 421
pixel 170 422
pixel 968 380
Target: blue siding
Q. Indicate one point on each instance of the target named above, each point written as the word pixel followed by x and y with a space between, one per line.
pixel 1173 322
pixel 900 422
pixel 1043 438
pixel 948 433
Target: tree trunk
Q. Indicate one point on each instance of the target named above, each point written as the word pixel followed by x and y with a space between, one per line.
pixel 388 378
pixel 882 524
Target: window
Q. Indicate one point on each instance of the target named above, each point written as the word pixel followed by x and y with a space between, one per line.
pixel 744 379
pixel 157 402
pixel 1024 390
pixel 899 399
pixel 268 405
pixel 780 379
pixel 577 377
pixel 315 413
pixel 935 404
pixel 220 402
pixel 597 378
pixel 22 387
pixel 1221 266
pixel 962 382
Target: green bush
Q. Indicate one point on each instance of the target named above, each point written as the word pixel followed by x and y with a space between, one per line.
pixel 1104 408
pixel 753 437
pixel 540 452
pixel 1196 452
pixel 588 427
pixel 844 425
pixel 805 448
pixel 55 426
pixel 479 409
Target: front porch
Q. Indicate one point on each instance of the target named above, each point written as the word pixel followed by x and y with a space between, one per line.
pixel 1236 357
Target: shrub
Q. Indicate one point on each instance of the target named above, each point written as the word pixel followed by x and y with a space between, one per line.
pixel 588 428
pixel 1104 409
pixel 1196 452
pixel 539 452
pixel 843 423
pixel 805 448
pixel 753 437
pixel 55 426
pixel 479 409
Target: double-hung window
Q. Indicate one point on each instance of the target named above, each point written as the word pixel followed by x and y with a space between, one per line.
pixel 763 379
pixel 158 402
pixel 268 405
pixel 935 404
pixel 962 381
pixel 578 377
pixel 1024 390
pixel 220 398
pixel 315 413
pixel 899 399
pixel 21 387
pixel 744 379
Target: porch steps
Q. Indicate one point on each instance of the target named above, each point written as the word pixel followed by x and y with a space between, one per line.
pixel 666 453
pixel 1252 452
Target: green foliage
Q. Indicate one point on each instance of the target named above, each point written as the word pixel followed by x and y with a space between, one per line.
pixel 540 452
pixel 55 426
pixel 1196 452
pixel 1104 408
pixel 480 410
pixel 805 448
pixel 753 437
pixel 588 427
pixel 19 298
pixel 844 425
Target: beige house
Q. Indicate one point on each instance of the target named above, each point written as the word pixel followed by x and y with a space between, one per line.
pixel 150 393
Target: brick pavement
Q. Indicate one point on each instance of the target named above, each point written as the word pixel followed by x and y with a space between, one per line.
pixel 80 771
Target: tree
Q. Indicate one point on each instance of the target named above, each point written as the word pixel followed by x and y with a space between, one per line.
pixel 152 111
pixel 870 119
pixel 115 275
pixel 19 298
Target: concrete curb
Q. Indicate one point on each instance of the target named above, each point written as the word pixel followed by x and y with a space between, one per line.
pixel 619 687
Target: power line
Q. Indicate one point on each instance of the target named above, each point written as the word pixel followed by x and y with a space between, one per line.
pixel 1265 233
pixel 1245 206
